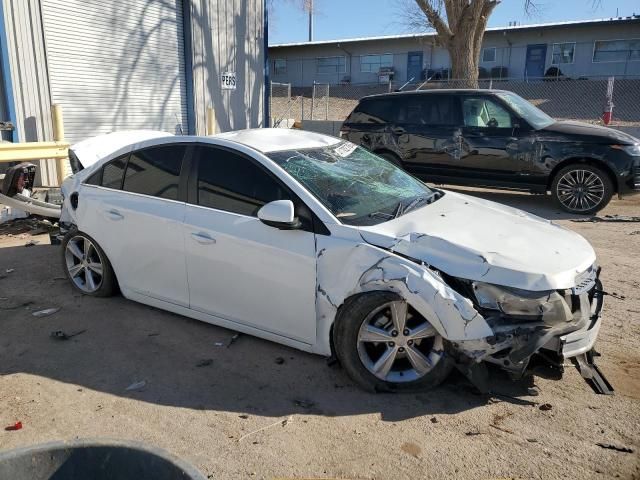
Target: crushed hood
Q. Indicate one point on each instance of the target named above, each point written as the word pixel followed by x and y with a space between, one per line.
pixel 476 239
pixel 89 151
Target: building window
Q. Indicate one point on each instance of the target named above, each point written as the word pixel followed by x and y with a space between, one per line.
pixel 616 50
pixel 373 63
pixel 279 66
pixel 489 54
pixel 563 53
pixel 331 65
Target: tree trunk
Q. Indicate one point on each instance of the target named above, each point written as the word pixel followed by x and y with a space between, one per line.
pixel 464 64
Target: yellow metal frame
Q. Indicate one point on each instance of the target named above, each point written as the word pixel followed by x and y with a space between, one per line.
pixel 58 149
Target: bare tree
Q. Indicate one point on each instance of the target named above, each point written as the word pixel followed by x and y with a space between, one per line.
pixel 460 27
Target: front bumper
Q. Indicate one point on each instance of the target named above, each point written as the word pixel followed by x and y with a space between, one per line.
pixel 523 348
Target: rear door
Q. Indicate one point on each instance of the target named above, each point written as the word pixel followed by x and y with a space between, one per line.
pixel 425 131
pixel 239 268
pixel 134 208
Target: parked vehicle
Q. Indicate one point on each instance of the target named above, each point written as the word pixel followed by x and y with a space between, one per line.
pixel 316 243
pixel 494 138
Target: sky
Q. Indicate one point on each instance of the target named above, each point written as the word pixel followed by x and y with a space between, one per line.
pixel 337 19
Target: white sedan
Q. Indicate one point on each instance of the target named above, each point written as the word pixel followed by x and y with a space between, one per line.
pixel 315 243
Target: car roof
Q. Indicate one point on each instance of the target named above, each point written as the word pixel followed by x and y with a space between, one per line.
pixel 458 91
pixel 267 140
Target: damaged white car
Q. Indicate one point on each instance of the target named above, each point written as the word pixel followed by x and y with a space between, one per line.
pixel 315 243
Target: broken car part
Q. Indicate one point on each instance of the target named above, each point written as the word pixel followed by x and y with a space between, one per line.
pixel 323 246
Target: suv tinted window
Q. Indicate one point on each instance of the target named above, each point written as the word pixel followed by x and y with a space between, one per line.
pixel 428 109
pixel 112 173
pixel 231 182
pixel 485 113
pixel 379 110
pixel 155 171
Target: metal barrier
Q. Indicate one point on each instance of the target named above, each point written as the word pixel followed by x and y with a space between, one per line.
pixel 58 149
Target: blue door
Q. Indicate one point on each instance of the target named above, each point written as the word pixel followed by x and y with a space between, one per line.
pixel 414 66
pixel 536 60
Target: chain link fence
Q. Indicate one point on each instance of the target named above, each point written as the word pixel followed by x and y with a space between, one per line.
pixel 581 99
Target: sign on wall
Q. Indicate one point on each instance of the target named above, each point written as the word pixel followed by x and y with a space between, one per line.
pixel 228 80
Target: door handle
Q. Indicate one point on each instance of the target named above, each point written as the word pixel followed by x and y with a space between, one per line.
pixel 398 131
pixel 114 214
pixel 203 238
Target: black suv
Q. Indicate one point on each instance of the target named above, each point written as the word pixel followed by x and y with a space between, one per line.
pixel 495 138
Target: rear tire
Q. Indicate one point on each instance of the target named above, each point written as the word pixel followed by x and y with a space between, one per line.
pixel 365 329
pixel 87 266
pixel 581 189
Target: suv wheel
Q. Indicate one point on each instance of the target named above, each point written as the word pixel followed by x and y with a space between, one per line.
pixel 385 345
pixel 581 189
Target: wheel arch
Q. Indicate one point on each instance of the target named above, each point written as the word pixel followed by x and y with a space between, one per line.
pixel 583 161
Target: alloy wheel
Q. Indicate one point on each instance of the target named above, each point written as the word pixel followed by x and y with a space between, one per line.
pixel 397 345
pixel 84 264
pixel 580 190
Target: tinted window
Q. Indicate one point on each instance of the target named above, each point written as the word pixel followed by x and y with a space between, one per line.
pixel 373 111
pixel 427 110
pixel 95 179
pixel 485 113
pixel 112 173
pixel 233 183
pixel 155 171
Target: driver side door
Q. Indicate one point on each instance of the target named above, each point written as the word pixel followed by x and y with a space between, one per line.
pixel 238 268
pixel 489 142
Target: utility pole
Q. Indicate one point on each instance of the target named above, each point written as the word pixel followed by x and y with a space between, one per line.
pixel 310 6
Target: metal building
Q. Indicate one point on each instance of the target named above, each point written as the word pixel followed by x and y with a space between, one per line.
pixel 130 64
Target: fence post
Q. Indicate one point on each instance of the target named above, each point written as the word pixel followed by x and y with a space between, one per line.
pixel 313 97
pixel 608 106
pixel 491 84
pixel 58 136
pixel 326 103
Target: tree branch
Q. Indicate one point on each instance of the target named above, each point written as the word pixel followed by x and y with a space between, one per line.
pixel 435 19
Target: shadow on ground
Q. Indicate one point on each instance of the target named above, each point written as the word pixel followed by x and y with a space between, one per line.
pixel 126 342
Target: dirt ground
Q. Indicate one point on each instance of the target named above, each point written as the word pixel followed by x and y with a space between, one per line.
pixel 261 410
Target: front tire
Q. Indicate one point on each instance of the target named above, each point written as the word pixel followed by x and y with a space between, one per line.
pixel 87 266
pixel 581 189
pixel 385 345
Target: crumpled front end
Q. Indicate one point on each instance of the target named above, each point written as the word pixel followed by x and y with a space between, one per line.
pixel 533 332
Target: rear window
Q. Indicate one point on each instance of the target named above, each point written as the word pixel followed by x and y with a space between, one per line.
pixel 372 111
pixel 155 171
pixel 112 173
pixel 430 109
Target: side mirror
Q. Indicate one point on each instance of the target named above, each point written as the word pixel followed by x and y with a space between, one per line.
pixel 279 214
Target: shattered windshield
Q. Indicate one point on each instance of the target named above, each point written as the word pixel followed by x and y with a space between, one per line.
pixel 358 187
pixel 532 114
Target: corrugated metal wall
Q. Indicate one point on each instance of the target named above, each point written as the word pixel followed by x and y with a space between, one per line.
pixel 228 36
pixel 29 76
pixel 116 65
pixel 225 35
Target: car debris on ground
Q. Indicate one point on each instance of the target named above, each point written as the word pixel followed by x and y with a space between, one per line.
pixel 608 218
pixel 14 427
pixel 136 386
pixel 46 312
pixel 60 335
pixel 617 448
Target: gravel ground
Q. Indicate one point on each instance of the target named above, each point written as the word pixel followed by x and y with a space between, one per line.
pixel 260 410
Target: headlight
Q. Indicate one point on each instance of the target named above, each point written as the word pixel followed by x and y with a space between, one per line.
pixel 522 303
pixel 633 150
